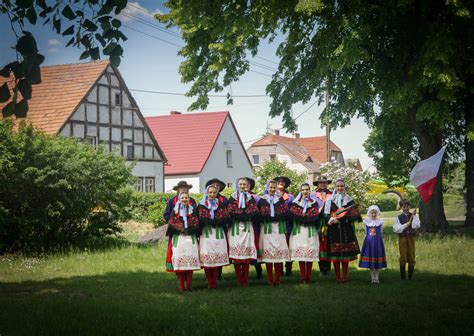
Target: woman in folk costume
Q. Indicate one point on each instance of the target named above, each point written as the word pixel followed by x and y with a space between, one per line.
pixel 304 241
pixel 256 227
pixel 372 255
pixel 273 213
pixel 240 234
pixel 342 242
pixel 213 217
pixel 283 182
pixel 183 251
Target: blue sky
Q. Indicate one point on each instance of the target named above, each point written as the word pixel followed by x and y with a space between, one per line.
pixel 152 64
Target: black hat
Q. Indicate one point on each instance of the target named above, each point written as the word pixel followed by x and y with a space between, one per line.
pixel 285 179
pixel 251 182
pixel 215 180
pixel 322 179
pixel 182 184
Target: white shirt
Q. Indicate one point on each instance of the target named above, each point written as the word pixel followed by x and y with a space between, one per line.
pixel 399 228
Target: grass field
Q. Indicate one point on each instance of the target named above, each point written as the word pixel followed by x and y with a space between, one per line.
pixel 125 290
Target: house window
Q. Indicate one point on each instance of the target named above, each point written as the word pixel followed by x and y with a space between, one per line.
pixel 273 157
pixel 130 152
pixel 149 184
pixel 91 140
pixel 118 99
pixel 229 157
pixel 229 185
pixel 139 184
pixel 256 159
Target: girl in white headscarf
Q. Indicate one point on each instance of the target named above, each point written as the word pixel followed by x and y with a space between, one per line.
pixel 304 242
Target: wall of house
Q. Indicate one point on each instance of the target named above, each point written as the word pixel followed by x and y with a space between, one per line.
pixel 171 181
pixel 109 116
pixel 216 165
pixel 281 155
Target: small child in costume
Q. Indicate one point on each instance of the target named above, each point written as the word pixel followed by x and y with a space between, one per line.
pixel 372 255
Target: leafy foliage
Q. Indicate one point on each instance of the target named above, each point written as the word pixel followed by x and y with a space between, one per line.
pixel 273 168
pixel 91 26
pixel 57 192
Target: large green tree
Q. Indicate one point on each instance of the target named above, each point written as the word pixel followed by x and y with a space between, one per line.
pixel 91 25
pixel 405 67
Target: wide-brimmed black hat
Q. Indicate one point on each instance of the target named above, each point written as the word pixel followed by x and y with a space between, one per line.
pixel 322 179
pixel 216 180
pixel 284 178
pixel 182 184
pixel 251 182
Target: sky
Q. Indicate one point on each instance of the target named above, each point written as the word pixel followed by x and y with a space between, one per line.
pixel 150 62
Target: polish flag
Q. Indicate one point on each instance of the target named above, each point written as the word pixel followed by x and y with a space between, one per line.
pixel 423 176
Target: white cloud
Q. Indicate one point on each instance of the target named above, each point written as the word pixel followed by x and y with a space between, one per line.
pixel 136 10
pixel 54 42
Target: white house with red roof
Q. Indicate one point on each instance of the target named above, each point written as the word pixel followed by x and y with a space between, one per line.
pixel 304 155
pixel 89 101
pixel 200 146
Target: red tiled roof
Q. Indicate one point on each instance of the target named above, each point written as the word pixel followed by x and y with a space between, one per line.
pixel 60 92
pixel 313 146
pixel 187 139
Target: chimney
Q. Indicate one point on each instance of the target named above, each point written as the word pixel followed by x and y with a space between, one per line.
pixel 277 132
pixel 174 113
pixel 297 135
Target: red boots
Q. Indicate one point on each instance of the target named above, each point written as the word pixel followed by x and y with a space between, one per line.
pixel 182 277
pixel 242 274
pixel 278 270
pixel 345 270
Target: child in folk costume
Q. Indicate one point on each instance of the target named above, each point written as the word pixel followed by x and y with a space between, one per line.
pixel 372 255
pixel 283 182
pixel 213 217
pixel 183 252
pixel 322 194
pixel 273 213
pixel 256 263
pixel 304 241
pixel 240 235
pixel 406 225
pixel 342 242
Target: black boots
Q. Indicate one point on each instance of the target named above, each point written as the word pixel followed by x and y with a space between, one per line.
pixel 258 269
pixel 411 269
pixel 403 273
pixel 289 268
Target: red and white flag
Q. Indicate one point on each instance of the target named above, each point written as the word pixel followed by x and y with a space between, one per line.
pixel 423 176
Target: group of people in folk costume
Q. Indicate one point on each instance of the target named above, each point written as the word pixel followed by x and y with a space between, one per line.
pixel 277 228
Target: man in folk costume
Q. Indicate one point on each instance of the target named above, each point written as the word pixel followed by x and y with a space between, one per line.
pixel 256 263
pixel 283 183
pixel 273 214
pixel 183 252
pixel 304 242
pixel 213 217
pixel 322 194
pixel 219 185
pixel 342 241
pixel 240 235
pixel 406 225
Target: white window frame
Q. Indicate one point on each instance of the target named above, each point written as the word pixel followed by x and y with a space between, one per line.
pixel 118 102
pixel 139 184
pixel 256 159
pixel 91 140
pixel 228 156
pixel 149 187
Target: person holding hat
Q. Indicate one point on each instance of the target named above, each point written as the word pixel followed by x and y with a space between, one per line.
pixel 183 251
pixel 213 217
pixel 273 213
pixel 304 243
pixel 240 235
pixel 322 194
pixel 256 263
pixel 406 226
pixel 283 182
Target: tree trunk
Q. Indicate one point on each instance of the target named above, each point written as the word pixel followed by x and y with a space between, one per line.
pixel 469 148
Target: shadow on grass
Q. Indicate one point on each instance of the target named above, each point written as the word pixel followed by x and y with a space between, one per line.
pixel 148 303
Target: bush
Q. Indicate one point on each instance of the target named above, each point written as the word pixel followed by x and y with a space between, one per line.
pixel 387 202
pixel 49 187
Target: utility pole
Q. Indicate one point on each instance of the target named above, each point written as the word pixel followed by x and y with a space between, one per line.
pixel 328 131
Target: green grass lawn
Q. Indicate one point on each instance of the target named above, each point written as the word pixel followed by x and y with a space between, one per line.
pixel 125 290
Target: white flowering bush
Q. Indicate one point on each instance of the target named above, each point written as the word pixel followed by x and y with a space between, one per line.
pixel 357 183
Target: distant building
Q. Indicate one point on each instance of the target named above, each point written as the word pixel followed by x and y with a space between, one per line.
pixel 200 146
pixel 90 101
pixel 354 163
pixel 304 155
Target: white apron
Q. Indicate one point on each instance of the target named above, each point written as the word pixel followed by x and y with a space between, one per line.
pixel 185 253
pixel 213 247
pixel 273 242
pixel 241 239
pixel 304 243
